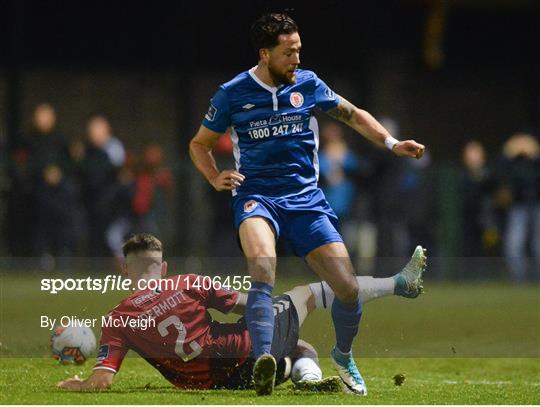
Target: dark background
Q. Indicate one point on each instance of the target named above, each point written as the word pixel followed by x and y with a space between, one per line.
pixel 152 66
pixel 491 49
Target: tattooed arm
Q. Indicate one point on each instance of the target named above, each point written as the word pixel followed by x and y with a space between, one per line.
pixel 365 124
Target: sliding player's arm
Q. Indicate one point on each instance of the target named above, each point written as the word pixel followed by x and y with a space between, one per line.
pixel 365 124
pixel 100 379
pixel 219 298
pixel 112 351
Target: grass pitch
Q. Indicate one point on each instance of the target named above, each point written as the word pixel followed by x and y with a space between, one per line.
pixel 427 381
pixel 467 343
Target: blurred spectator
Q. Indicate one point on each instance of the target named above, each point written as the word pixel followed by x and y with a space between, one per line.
pixel 405 200
pixel 223 243
pixel 20 207
pixel 141 197
pixel 101 137
pixel 121 197
pixel 55 203
pixel 416 204
pixel 45 145
pixel 342 175
pixel 154 180
pixel 40 147
pixel 386 206
pixel 98 162
pixel 480 234
pixel 338 165
pixel 521 178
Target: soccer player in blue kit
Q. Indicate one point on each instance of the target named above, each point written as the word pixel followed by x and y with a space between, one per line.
pixel 269 110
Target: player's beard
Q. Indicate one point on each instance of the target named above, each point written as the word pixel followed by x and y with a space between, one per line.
pixel 281 78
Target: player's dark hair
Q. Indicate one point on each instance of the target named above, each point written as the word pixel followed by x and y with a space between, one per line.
pixel 265 31
pixel 142 242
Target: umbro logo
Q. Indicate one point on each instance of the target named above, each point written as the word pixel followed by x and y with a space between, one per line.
pixel 248 106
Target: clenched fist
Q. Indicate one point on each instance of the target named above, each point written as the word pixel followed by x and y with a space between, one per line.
pixel 409 148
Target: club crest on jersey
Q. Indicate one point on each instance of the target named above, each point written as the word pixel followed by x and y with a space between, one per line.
pixel 250 206
pixel 211 114
pixel 297 99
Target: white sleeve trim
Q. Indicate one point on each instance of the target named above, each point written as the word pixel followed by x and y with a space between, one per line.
pixel 110 369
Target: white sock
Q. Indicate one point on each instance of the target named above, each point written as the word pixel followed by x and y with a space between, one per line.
pixel 305 369
pixel 372 288
pixel 324 296
pixel 369 289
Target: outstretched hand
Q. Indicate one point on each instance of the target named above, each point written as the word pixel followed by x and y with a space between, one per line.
pixel 227 180
pixel 409 148
pixel 73 383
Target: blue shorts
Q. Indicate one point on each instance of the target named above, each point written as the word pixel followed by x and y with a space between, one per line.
pixel 306 221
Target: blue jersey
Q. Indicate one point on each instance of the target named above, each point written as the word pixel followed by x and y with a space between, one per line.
pixel 273 130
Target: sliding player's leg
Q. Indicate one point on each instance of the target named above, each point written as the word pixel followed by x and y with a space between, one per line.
pixel 407 283
pixel 306 373
pixel 305 363
pixel 304 301
pixel 409 280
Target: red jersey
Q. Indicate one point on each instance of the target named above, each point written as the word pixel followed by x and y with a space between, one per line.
pixel 174 332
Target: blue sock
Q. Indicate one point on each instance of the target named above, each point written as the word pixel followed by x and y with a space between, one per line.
pixel 260 318
pixel 346 319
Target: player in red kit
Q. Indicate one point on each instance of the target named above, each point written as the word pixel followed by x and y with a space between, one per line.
pixel 181 340
pixel 171 328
